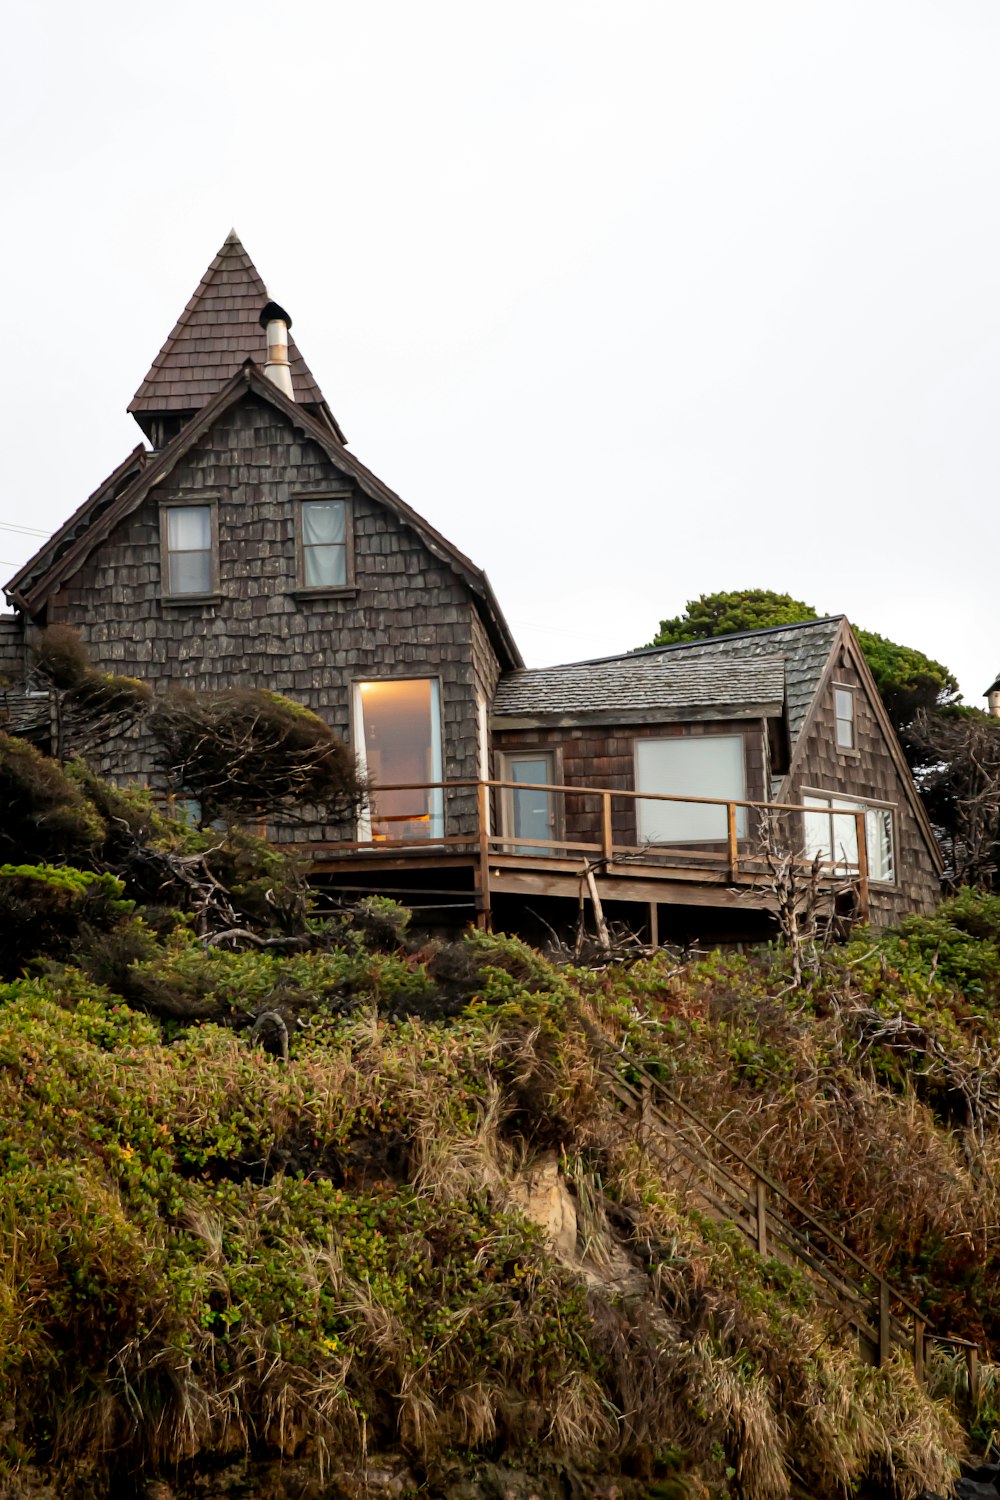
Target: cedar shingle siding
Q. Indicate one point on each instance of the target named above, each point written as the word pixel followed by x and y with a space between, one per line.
pixel 871 773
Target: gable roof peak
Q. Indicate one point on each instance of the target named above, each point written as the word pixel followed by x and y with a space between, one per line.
pixel 216 333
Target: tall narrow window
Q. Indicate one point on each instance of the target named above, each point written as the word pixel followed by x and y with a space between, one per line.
pixel 843 699
pixel 398 739
pixel 188 537
pixel 324 544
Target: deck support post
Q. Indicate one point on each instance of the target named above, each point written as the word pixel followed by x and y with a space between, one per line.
pixel 484 917
pixel 861 834
pixel 654 926
pixel 733 841
pixel 607 837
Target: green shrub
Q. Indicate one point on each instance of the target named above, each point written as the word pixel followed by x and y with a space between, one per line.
pixel 49 909
pixel 46 814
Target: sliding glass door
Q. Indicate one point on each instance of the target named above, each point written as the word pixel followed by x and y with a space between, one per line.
pixel 397 727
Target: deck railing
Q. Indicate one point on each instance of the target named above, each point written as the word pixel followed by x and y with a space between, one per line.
pixel 732 853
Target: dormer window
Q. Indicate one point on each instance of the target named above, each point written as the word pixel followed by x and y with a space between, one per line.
pixel 324 541
pixel 187 535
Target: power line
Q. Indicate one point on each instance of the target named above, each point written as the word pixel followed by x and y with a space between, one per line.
pixel 27 530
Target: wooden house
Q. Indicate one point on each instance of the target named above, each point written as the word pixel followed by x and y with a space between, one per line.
pixel 243 544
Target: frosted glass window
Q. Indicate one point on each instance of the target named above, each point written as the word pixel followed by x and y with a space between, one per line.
pixel 843 700
pixel 398 732
pixel 189 549
pixel 696 766
pixel 324 543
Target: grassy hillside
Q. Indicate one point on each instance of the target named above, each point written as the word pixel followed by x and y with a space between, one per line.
pixel 239 1275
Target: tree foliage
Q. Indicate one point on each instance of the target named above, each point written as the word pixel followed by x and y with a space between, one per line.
pixel 91 707
pixel 907 680
pixel 723 613
pixel 252 753
pixel 46 815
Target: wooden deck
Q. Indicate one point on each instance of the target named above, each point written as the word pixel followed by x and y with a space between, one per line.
pixel 487 862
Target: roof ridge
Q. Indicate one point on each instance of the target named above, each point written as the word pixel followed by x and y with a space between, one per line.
pixel 636 657
pixel 707 640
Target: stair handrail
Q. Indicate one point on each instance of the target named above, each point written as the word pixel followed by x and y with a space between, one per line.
pixel 883 1320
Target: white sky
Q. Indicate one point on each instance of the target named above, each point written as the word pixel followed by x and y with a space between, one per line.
pixel 631 301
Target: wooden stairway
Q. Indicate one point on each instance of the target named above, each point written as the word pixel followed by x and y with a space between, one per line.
pixel 725 1184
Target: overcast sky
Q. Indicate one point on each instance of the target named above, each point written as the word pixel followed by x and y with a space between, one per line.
pixel 632 301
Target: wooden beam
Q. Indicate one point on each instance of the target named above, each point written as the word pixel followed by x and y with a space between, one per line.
pixel 524 882
pixel 485 917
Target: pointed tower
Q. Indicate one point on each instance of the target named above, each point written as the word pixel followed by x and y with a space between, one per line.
pixel 218 330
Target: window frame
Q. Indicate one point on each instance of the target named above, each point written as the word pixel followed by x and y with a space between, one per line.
pixel 838 719
pixel 554 753
pixel 323 590
pixel 742 820
pixel 865 805
pixel 209 502
pixel 439 806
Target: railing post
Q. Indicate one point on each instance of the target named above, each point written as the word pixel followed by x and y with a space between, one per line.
pixel 761 1216
pixel 734 847
pixel 861 833
pixel 972 1366
pixel 607 839
pixel 485 915
pixel 918 1349
pixel 884 1324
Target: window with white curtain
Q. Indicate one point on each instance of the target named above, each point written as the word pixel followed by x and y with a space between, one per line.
pixel 324 542
pixel 186 531
pixel 831 832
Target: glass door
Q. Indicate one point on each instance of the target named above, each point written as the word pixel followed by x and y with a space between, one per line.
pixel 397 729
pixel 528 812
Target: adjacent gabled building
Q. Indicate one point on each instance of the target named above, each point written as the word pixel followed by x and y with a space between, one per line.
pixel 248 546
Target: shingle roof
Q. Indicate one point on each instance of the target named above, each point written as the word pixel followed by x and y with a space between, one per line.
pixel 624 684
pixel 689 674
pixel 805 649
pixel 213 336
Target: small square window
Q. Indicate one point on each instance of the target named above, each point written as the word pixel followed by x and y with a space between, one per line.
pixel 324 540
pixel 843 699
pixel 187 537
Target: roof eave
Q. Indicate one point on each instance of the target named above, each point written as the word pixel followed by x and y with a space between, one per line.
pixel 689 714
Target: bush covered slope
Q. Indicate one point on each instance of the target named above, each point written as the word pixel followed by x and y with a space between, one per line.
pixel 213 1259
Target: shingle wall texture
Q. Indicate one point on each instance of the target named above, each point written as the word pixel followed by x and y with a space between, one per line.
pixel 409 616
pixel 871 774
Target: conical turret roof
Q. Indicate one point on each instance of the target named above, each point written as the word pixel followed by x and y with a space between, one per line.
pixel 214 335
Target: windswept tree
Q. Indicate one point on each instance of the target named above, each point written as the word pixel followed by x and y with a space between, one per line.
pixel 959 779
pixel 89 707
pixel 248 753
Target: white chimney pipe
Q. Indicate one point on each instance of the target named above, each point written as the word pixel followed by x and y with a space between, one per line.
pixel 276 322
